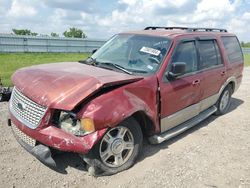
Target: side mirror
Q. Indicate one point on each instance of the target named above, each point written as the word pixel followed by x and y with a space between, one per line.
pixel 93 51
pixel 177 69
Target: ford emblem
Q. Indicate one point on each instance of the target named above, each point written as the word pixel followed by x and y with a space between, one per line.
pixel 21 106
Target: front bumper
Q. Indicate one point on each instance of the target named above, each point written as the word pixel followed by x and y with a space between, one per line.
pixel 41 152
pixel 53 137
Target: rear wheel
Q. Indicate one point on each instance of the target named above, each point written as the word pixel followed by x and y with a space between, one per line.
pixel 224 101
pixel 117 150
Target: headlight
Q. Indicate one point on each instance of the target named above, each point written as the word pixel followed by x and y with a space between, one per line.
pixel 78 127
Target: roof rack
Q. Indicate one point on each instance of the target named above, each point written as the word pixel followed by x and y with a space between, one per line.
pixel 188 29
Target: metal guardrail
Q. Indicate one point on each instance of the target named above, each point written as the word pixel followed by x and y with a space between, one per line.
pixel 246 50
pixel 18 43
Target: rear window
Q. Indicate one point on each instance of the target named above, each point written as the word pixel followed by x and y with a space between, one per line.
pixel 233 49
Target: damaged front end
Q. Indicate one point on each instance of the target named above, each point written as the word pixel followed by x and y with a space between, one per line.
pixel 69 122
pixel 40 129
pixel 59 111
pixel 41 142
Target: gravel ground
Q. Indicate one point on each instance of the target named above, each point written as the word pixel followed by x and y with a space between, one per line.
pixel 215 153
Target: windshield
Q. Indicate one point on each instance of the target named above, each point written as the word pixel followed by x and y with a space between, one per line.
pixel 135 53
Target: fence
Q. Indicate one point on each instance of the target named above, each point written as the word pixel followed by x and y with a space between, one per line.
pixel 246 50
pixel 13 43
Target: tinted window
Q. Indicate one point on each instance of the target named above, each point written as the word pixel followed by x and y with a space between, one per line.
pixel 233 49
pixel 186 52
pixel 209 54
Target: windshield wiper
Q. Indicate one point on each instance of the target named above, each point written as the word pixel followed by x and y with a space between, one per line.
pixel 116 66
pixel 92 61
pixel 140 71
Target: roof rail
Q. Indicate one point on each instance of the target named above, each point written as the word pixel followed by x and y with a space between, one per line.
pixel 189 29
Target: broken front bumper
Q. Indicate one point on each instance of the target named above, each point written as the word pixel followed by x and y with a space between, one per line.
pixel 39 141
pixel 41 152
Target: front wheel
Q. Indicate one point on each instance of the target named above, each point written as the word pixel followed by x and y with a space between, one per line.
pixel 117 150
pixel 224 101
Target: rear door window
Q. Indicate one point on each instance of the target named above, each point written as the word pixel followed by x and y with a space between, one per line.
pixel 233 49
pixel 209 54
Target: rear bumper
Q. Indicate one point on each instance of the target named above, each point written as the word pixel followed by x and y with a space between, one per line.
pixel 54 137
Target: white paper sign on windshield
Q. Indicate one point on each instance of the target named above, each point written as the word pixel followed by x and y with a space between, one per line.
pixel 151 51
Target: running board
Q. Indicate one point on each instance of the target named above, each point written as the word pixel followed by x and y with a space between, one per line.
pixel 157 139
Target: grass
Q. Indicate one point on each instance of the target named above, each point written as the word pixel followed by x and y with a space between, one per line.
pixel 247 59
pixel 10 62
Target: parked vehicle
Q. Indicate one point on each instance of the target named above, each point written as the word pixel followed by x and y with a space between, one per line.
pixel 155 84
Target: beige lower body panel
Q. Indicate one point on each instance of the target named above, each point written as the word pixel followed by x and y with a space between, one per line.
pixel 187 113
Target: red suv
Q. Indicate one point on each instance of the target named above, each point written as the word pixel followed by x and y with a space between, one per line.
pixel 155 84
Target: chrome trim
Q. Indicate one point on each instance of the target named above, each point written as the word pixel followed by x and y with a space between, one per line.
pixel 179 117
pixel 25 138
pixel 208 102
pixel 157 139
pixel 187 113
pixel 18 117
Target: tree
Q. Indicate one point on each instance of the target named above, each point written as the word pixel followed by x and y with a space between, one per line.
pixel 24 32
pixel 245 44
pixel 54 34
pixel 74 33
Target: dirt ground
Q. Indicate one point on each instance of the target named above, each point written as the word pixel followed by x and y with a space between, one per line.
pixel 215 153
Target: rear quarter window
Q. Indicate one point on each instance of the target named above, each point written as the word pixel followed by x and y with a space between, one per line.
pixel 233 49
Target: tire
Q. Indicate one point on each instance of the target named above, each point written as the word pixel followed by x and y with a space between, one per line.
pixel 224 102
pixel 4 97
pixel 117 150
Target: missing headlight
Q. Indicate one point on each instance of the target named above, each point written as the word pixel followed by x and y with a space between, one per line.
pixel 69 123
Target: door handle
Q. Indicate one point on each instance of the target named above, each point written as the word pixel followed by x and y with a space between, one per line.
pixel 196 82
pixel 222 73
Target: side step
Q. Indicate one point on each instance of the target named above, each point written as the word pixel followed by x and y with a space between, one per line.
pixel 157 139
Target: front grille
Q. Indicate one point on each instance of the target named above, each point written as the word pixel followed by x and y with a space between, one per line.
pixel 26 110
pixel 25 138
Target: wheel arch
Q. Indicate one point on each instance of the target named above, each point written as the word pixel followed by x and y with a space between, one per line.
pixel 108 111
pixel 232 84
pixel 145 122
pixel 230 81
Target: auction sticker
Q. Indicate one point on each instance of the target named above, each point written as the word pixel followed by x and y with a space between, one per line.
pixel 151 51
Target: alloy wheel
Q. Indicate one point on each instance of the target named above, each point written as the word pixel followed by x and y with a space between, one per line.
pixel 116 146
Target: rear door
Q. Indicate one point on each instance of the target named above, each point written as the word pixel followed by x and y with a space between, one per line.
pixel 180 96
pixel 234 57
pixel 212 71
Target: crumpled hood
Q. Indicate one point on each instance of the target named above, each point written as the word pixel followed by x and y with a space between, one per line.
pixel 64 85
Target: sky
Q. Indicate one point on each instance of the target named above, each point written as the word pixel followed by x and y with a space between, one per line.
pixel 102 19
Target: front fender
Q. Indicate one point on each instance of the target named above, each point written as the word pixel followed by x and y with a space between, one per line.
pixel 113 107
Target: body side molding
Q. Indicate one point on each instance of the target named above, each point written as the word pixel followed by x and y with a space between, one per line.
pixel 157 139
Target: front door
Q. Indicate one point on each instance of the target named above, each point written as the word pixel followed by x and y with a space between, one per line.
pixel 180 96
